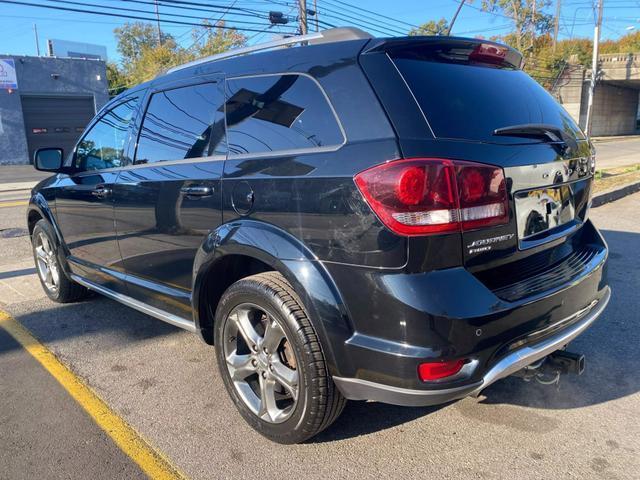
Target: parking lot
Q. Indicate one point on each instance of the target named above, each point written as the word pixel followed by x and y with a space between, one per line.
pixel 163 382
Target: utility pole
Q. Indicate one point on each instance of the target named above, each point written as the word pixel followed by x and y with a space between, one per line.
pixel 556 25
pixel 533 28
pixel 35 32
pixel 158 21
pixel 315 9
pixel 594 68
pixel 455 16
pixel 302 4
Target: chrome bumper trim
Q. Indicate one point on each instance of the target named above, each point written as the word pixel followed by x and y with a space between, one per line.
pixel 527 355
pixel 357 389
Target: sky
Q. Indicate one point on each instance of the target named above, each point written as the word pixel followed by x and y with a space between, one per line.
pixel 16 21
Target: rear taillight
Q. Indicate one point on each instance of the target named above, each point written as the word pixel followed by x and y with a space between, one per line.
pixel 425 195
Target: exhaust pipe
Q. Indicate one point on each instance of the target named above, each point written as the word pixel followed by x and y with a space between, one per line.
pixel 566 362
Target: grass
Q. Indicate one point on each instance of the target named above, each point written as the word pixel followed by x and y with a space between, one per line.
pixel 610 178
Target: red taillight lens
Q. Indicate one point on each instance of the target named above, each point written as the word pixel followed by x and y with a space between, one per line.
pixel 422 196
pixel 438 370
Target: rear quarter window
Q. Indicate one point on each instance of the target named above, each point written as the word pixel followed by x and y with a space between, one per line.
pixel 275 113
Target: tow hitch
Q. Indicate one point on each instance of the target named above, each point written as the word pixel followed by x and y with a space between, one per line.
pixel 547 371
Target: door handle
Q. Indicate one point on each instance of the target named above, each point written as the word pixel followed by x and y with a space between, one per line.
pixel 197 191
pixel 101 192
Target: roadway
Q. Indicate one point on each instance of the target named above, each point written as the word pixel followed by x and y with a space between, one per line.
pixel 163 382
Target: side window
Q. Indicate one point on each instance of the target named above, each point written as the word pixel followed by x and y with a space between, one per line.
pixel 103 145
pixel 184 122
pixel 278 112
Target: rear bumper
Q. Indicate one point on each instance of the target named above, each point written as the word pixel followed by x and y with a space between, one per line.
pixel 359 389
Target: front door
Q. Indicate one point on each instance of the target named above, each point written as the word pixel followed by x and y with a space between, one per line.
pixel 170 198
pixel 84 200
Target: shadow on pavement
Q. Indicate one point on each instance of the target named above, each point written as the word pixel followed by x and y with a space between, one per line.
pixel 94 316
pixel 17 273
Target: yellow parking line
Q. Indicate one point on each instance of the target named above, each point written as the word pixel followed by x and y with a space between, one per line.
pixel 13 204
pixel 152 462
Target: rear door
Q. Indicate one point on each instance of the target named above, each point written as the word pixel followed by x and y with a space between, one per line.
pixel 170 198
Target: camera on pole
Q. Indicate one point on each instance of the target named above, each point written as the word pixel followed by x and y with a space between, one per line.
pixel 278 18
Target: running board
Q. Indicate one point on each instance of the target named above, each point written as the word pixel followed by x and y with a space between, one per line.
pixel 137 305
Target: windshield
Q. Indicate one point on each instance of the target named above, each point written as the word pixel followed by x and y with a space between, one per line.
pixel 470 100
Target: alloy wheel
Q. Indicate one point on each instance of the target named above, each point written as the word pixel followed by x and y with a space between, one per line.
pixel 47 262
pixel 261 363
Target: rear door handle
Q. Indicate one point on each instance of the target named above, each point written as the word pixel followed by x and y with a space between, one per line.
pixel 197 191
pixel 101 192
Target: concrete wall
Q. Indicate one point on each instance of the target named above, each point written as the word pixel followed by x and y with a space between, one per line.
pixel 569 90
pixel 614 110
pixel 75 77
pixel 615 103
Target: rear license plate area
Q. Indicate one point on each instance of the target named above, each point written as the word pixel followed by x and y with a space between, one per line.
pixel 543 214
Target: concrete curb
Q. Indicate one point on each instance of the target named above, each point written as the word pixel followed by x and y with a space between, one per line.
pixel 615 194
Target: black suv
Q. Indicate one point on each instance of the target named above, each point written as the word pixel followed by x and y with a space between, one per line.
pixel 402 220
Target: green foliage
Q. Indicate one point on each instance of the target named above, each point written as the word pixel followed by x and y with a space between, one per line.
pixel 134 37
pixel 208 40
pixel 528 17
pixel 116 78
pixel 630 43
pixel 432 27
pixel 142 57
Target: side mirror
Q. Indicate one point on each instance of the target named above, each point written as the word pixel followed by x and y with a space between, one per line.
pixel 48 159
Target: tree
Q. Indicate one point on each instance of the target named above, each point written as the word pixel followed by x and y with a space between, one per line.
pixel 432 27
pixel 209 40
pixel 528 19
pixel 630 43
pixel 134 37
pixel 116 79
pixel 154 60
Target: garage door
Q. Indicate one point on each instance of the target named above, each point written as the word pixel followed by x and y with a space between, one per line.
pixel 55 121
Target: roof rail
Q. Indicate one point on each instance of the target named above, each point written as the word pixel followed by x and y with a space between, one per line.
pixel 325 36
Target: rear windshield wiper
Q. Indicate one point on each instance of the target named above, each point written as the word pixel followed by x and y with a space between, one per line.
pixel 549 133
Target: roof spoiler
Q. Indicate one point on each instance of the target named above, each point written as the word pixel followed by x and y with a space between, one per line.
pixel 452 49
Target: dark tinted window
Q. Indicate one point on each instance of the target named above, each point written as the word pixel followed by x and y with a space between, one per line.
pixel 182 123
pixel 469 101
pixel 279 112
pixel 103 145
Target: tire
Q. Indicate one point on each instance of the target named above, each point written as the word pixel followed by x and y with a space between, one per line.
pixel 311 402
pixel 48 258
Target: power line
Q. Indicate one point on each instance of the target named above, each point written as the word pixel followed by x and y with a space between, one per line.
pixel 244 13
pixel 357 22
pixel 384 29
pixel 362 18
pixel 118 15
pixel 215 23
pixel 354 7
pixel 209 5
pixel 135 10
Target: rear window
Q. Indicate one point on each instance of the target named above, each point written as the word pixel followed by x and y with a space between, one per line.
pixel 467 100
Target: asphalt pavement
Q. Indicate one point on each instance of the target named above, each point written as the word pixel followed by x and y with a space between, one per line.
pixel 45 434
pixel 617 153
pixel 164 383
